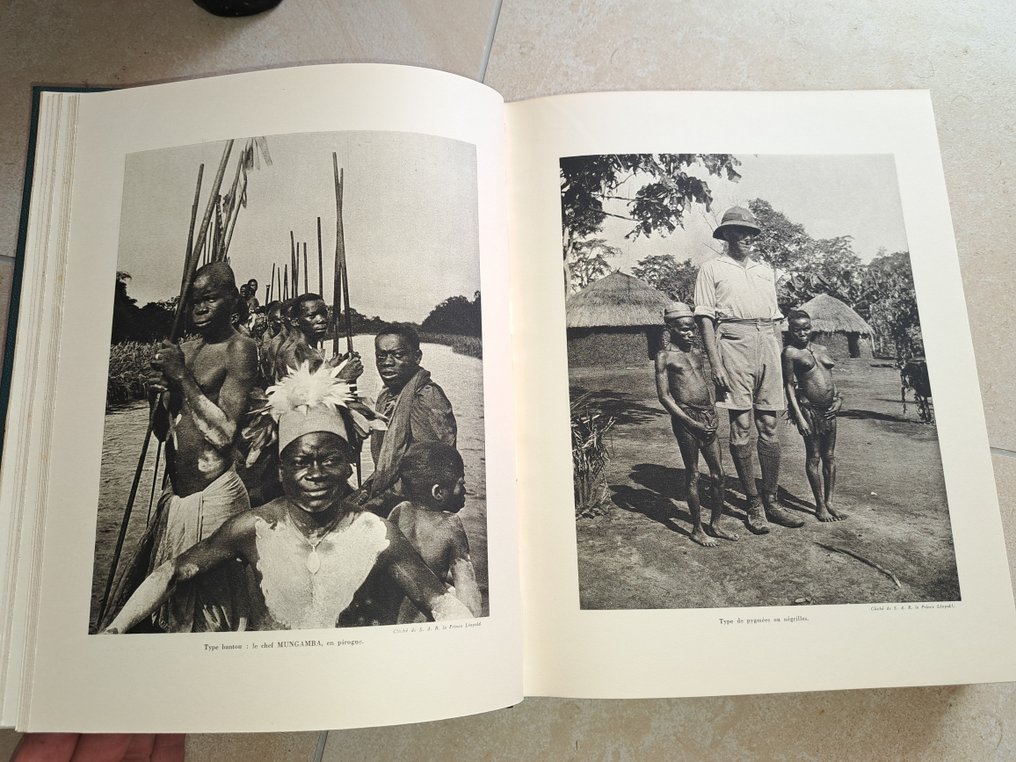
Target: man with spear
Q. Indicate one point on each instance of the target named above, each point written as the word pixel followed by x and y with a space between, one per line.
pixel 206 383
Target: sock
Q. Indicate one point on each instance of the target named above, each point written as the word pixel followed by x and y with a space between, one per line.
pixel 741 454
pixel 769 461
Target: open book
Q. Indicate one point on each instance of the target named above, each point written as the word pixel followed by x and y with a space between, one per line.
pixel 536 247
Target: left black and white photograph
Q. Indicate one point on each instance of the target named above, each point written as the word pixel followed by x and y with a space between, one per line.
pixel 294 431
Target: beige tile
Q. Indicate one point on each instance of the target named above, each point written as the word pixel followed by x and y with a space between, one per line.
pixel 1005 483
pixel 104 42
pixel 962 54
pixel 242 747
pixel 969 722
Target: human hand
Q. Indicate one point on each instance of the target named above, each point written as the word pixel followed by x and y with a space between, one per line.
pixel 721 381
pixel 353 368
pixel 169 361
pixel 803 428
pixel 835 407
pixel 63 747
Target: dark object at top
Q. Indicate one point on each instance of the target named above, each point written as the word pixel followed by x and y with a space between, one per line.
pixel 737 217
pixel 237 7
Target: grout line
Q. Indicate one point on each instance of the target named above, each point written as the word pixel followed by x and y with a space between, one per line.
pixel 319 751
pixel 1002 452
pixel 488 46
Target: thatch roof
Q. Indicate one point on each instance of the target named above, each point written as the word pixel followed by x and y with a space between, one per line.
pixel 830 315
pixel 615 301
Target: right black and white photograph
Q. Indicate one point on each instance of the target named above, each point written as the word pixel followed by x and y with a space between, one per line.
pixel 752 417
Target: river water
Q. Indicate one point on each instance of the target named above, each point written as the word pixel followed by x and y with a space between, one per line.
pixel 460 376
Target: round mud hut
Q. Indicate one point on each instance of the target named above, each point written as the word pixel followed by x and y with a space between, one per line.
pixel 617 320
pixel 838 328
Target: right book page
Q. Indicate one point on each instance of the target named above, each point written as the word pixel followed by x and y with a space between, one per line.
pixel 859 540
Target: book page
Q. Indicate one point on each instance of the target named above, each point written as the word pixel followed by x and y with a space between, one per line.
pixel 366 198
pixel 752 449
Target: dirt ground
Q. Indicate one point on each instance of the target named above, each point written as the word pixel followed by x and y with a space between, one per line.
pixel 639 555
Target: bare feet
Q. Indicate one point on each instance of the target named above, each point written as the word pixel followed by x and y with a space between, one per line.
pixel 828 513
pixel 718 531
pixel 703 539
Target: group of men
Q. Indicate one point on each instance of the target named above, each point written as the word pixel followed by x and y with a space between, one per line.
pixel 747 370
pixel 210 386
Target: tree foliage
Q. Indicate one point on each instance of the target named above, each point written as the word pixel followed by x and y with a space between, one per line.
pixel 666 274
pixel 457 315
pixel 805 266
pixel 882 292
pixel 891 306
pixel 591 188
pixel 152 322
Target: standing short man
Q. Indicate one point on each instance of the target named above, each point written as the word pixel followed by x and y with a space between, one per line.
pixel 416 408
pixel 735 306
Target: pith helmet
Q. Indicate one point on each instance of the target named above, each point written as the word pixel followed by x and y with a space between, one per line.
pixel 737 217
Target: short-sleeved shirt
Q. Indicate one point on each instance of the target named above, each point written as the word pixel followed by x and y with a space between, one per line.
pixel 728 290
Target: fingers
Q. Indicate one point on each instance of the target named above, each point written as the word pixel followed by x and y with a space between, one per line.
pixel 46 747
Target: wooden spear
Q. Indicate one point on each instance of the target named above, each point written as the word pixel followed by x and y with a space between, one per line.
pixel 341 283
pixel 285 292
pixel 341 286
pixel 320 265
pixel 234 208
pixel 292 259
pixel 306 285
pixel 271 284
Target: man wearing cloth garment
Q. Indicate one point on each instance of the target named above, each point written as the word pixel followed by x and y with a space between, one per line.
pixel 735 306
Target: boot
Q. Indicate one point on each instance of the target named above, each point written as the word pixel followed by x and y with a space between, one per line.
pixel 778 514
pixel 756 516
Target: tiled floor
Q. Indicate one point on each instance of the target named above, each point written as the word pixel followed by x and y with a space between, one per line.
pixel 961 52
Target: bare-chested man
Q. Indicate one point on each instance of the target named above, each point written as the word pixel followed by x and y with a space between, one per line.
pixel 308 321
pixel 684 385
pixel 207 382
pixel 814 402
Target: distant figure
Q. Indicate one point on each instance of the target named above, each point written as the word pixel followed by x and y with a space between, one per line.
pixel 814 402
pixel 252 295
pixel 735 306
pixel 415 407
pixel 278 332
pixel 914 377
pixel 684 386
pixel 434 480
pixel 207 382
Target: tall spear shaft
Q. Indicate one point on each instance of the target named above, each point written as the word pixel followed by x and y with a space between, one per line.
pixel 320 265
pixel 271 285
pixel 292 259
pixel 341 283
pixel 306 285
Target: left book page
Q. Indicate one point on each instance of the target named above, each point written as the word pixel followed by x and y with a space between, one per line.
pixel 417 239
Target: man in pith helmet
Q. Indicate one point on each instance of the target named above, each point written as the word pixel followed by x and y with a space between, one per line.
pixel 735 306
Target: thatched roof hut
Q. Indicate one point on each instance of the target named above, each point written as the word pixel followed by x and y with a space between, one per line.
pixel 617 320
pixel 838 327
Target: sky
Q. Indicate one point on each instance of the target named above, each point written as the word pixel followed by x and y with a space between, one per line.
pixel 409 213
pixel 829 195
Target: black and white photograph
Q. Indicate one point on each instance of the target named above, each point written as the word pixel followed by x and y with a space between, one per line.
pixel 294 433
pixel 752 418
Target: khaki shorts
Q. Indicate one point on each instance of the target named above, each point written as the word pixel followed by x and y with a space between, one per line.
pixel 750 353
